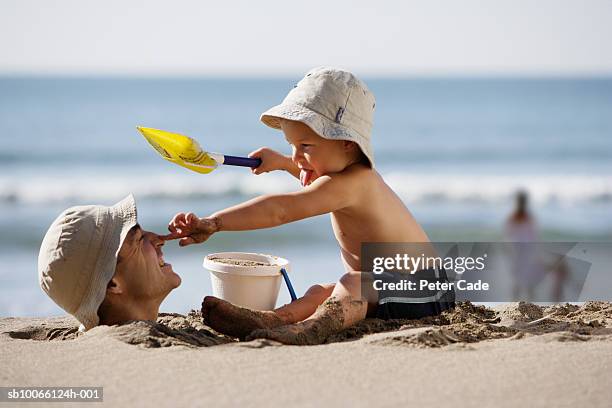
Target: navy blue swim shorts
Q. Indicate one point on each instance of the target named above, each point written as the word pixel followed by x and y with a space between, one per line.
pixel 414 305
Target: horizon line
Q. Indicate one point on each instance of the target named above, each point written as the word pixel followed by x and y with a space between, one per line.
pixel 288 76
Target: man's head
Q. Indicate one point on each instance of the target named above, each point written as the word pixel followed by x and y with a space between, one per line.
pixel 333 105
pixel 78 265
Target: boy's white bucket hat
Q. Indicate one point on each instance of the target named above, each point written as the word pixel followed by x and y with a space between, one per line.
pixel 78 256
pixel 334 103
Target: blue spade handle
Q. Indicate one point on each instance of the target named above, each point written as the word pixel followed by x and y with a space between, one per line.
pixel 241 161
pixel 289 285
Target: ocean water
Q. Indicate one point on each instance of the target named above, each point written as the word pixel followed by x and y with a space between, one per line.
pixel 455 150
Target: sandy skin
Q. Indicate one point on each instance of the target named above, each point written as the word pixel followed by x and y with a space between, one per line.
pixel 249 324
pixel 237 321
pixel 329 319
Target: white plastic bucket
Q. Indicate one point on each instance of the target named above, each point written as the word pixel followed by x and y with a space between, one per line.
pixel 255 287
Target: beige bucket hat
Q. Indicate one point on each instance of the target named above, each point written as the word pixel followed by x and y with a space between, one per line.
pixel 334 103
pixel 78 256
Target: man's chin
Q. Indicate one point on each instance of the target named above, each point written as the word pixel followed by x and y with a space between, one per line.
pixel 178 280
pixel 173 278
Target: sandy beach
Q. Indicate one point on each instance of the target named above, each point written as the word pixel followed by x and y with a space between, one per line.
pixel 517 354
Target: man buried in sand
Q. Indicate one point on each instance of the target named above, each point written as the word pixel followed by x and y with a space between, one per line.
pixel 100 266
pixel 327 120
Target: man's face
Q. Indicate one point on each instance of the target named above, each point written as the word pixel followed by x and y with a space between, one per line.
pixel 141 270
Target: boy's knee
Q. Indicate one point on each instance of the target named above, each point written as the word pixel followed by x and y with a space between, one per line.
pixel 351 281
pixel 320 290
pixel 350 278
pixel 359 285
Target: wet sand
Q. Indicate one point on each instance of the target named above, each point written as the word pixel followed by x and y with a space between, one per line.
pixel 472 356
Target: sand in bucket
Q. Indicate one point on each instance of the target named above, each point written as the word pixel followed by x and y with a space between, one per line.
pixel 246 279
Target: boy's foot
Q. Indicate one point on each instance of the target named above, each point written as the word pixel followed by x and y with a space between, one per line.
pixel 236 321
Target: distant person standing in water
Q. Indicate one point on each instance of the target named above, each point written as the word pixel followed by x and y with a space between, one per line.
pixel 520 226
pixel 521 229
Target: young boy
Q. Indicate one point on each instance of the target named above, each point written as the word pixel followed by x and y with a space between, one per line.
pixel 327 120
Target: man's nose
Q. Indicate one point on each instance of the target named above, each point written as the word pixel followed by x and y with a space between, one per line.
pixel 157 240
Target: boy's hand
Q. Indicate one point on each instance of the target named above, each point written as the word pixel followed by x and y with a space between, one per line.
pixel 191 229
pixel 270 160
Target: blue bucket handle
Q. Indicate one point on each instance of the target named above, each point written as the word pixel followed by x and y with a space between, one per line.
pixel 289 285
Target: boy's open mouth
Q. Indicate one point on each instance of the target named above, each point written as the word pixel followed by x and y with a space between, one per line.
pixel 306 177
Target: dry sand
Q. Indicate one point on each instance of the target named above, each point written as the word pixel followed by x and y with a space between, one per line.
pixel 239 262
pixel 519 354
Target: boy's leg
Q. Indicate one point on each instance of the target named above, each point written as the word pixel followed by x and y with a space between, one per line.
pixel 305 306
pixel 239 322
pixel 345 307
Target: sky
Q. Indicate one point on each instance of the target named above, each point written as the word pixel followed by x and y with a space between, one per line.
pixel 271 38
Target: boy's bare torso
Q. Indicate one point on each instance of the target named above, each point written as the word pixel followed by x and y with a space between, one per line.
pixel 376 215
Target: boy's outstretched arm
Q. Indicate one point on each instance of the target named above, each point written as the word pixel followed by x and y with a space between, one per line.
pixel 326 194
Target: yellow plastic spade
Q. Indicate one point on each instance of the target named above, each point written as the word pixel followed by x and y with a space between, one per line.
pixel 188 153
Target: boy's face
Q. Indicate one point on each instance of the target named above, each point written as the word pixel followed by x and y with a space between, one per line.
pixel 314 155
